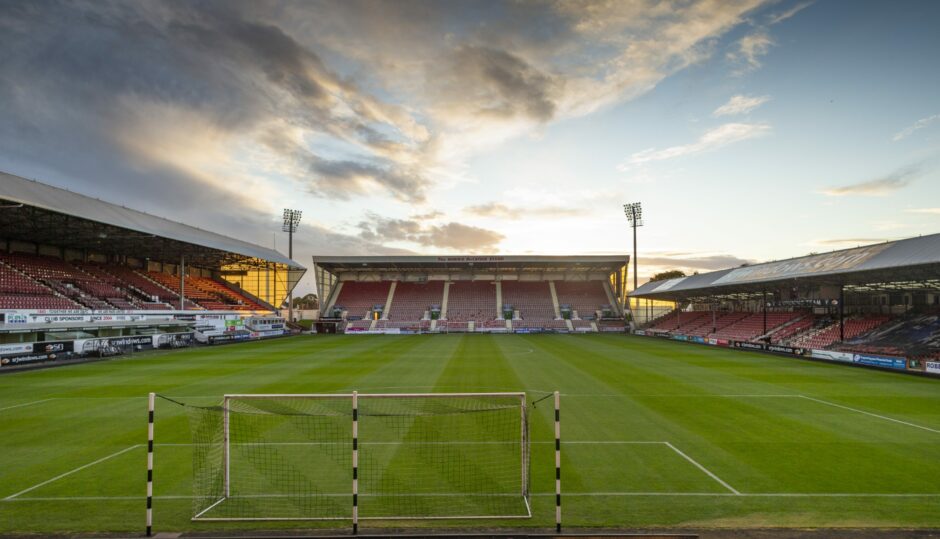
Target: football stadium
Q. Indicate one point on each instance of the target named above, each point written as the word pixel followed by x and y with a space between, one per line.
pixel 487 269
pixel 800 392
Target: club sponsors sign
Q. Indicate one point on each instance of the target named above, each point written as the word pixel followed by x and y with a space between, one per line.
pixel 833 355
pixel 932 367
pixel 64 317
pixel 884 362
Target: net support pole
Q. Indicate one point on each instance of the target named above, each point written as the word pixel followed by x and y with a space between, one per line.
pixel 226 446
pixel 355 462
pixel 557 462
pixel 150 403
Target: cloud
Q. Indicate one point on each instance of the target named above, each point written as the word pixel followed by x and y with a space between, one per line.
pixel 877 187
pixel 928 211
pixel 713 139
pixel 919 124
pixel 495 83
pixel 781 16
pixel 740 104
pixel 455 236
pixel 428 216
pixel 502 211
pixel 385 114
pixel 749 50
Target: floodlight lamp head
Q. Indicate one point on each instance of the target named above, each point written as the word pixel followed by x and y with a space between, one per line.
pixel 291 220
pixel 634 213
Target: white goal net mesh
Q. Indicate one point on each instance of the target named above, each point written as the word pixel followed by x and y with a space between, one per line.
pixel 290 457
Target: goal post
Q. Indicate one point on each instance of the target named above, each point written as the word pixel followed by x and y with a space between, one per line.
pixel 361 456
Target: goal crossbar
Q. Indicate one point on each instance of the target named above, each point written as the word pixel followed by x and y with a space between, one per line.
pixel 520 395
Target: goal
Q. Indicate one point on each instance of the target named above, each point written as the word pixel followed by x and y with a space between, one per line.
pixel 361 456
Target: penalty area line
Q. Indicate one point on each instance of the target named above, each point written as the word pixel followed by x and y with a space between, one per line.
pixel 704 469
pixel 70 472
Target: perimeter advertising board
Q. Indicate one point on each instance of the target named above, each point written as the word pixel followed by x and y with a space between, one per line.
pixel 750 345
pixel 780 349
pixel 933 367
pixel 833 355
pixel 29 358
pixel 885 362
pixel 16 348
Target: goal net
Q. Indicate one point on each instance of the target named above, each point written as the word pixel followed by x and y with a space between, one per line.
pixel 361 456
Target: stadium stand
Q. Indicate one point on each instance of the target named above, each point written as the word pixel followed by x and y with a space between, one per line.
pixel 471 301
pixel 829 334
pixel 143 286
pixel 797 326
pixel 585 298
pixel 532 299
pixel 466 288
pixel 358 298
pixel 413 300
pixel 32 281
pixel 916 334
pixel 751 326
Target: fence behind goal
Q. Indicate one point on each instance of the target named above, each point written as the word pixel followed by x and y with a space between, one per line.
pixel 361 456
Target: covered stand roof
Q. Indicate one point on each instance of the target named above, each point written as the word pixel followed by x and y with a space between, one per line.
pixel 335 264
pixel 913 260
pixel 38 213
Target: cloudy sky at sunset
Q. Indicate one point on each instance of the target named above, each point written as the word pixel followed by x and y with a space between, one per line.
pixel 749 130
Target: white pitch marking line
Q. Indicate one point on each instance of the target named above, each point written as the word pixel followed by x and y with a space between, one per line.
pixel 26 404
pixel 684 395
pixel 886 418
pixel 80 468
pixel 756 494
pixel 582 494
pixel 704 469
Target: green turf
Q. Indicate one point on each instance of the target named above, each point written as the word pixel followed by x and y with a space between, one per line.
pixel 747 419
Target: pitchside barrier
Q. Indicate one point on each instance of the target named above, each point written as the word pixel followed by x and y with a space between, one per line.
pixel 360 456
pixel 865 359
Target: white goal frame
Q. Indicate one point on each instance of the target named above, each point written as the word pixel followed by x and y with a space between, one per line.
pixel 354 398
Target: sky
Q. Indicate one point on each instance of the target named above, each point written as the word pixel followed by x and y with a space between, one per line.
pixel 749 130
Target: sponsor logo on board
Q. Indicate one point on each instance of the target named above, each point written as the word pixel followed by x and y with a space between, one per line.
pixel 833 355
pixel 885 362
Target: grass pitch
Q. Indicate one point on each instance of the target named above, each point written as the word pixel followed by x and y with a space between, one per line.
pixel 655 433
